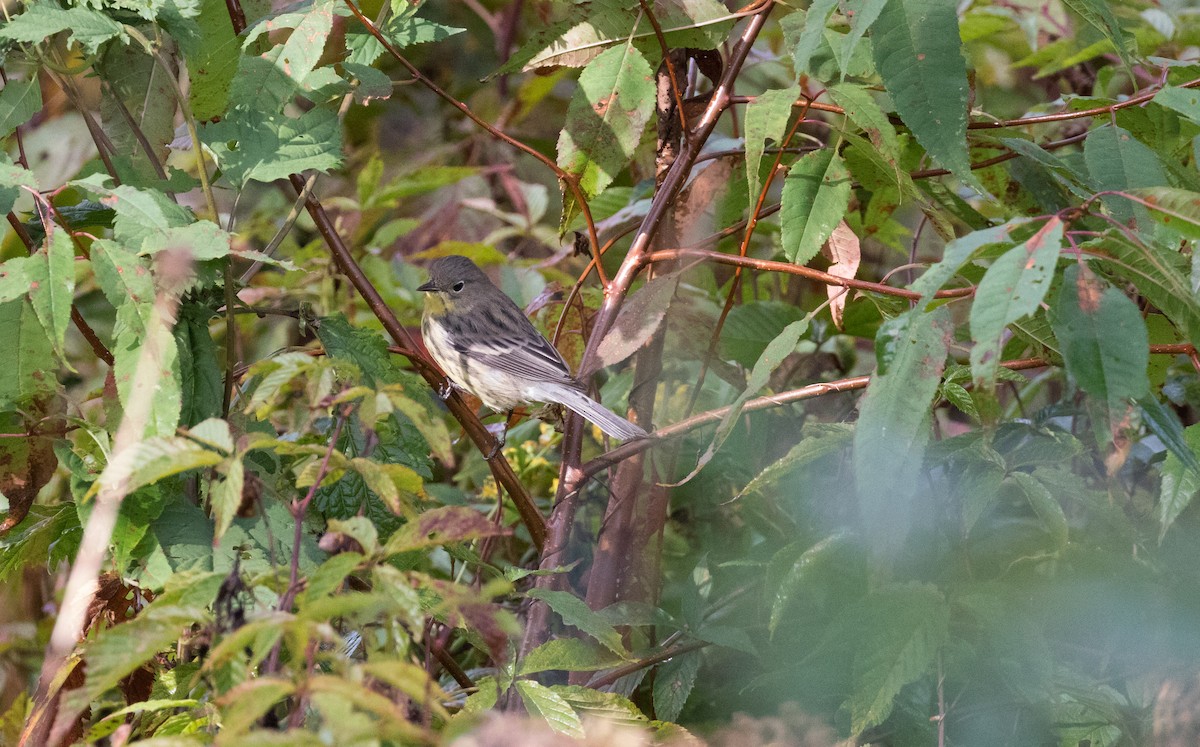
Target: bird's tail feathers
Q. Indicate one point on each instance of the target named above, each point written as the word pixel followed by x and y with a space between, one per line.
pixel 607 420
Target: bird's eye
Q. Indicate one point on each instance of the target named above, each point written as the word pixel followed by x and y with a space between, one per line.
pixel 458 286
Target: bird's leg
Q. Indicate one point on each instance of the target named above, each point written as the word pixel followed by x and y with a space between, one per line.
pixel 446 389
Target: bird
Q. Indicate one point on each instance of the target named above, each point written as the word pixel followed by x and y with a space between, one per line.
pixel 486 346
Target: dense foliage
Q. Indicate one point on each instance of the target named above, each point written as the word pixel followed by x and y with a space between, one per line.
pixel 906 290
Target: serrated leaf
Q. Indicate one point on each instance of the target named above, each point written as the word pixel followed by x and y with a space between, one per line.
pixel 862 13
pixel 574 611
pixel 123 276
pixel 31 357
pixel 52 286
pixel 804 30
pixel 225 496
pixel 1099 14
pixel 1103 337
pixel 893 427
pixel 673 682
pixel 541 701
pixel 401 31
pixel 806 452
pixel 19 101
pixel 1186 101
pixel 150 460
pixel 766 119
pixel 1045 505
pixel 143 339
pixel 792 570
pixel 606 117
pixel 253 147
pixel 919 56
pixel 865 114
pixel 1012 288
pixel 140 214
pixel 815 196
pixel 1177 209
pixel 41 20
pixel 440 526
pixel 903 629
pixel 750 327
pixel 1180 482
pixel 568 655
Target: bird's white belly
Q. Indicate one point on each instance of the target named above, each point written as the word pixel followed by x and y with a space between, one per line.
pixel 497 389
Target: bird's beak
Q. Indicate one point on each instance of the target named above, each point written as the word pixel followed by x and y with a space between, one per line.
pixel 427 286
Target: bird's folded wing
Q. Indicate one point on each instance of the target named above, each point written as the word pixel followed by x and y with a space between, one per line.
pixel 528 357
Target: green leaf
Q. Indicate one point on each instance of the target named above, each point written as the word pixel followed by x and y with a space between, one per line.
pixel 138 88
pixel 804 31
pixel 1163 422
pixel 123 276
pixel 673 683
pixel 919 55
pixel 575 612
pixel 766 119
pixel 568 655
pixel 606 117
pixel 541 701
pixel 750 327
pixel 19 101
pixel 865 114
pixel 863 13
pixel 792 572
pixel 956 254
pixel 903 627
pixel 1180 482
pixel 810 449
pixel 246 703
pixel 1099 14
pixel 1103 337
pixel 31 357
pixel 143 339
pixel 1117 161
pixel 201 381
pixel 120 650
pixel 140 214
pixel 253 147
pixel 12 179
pixel 1186 101
pixel 225 496
pixel 213 62
pixel 1177 209
pixel 150 460
pixel 893 427
pixel 815 196
pixel 42 538
pixel 41 20
pixel 440 526
pixel 52 286
pixel 1012 288
pixel 1045 505
pixel 402 32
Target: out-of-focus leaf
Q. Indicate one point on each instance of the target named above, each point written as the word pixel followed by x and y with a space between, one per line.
pixel 637 321
pixel 862 14
pixel 1099 14
pixel 750 327
pixel 19 100
pixel 246 703
pixel 803 32
pixel 1103 337
pixel 541 701
pixel 894 428
pixel 1180 482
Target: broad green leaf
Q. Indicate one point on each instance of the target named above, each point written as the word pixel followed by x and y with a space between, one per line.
pixel 903 627
pixel 541 701
pixel 52 286
pixel 19 101
pixel 119 650
pixel 201 379
pixel 569 655
pixel 792 570
pixel 956 254
pixel 673 683
pixel 243 705
pixel 919 55
pixel 138 88
pixel 1117 161
pixel 140 214
pixel 150 460
pixel 1186 101
pixel 41 20
pixel 17 273
pixel 1045 505
pixel 1103 337
pixel 142 339
pixel 766 119
pixel 815 196
pixel 213 62
pixel 803 32
pixel 203 239
pixel 12 179
pixel 1180 482
pixel 606 117
pixel 43 537
pixel 441 526
pixel 1012 288
pixel 862 14
pixel 750 327
pixel 866 115
pixel 575 612
pixel 213 433
pixel 401 31
pixel 893 427
pixel 253 147
pixel 30 354
pixel 123 276
pixel 1177 209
